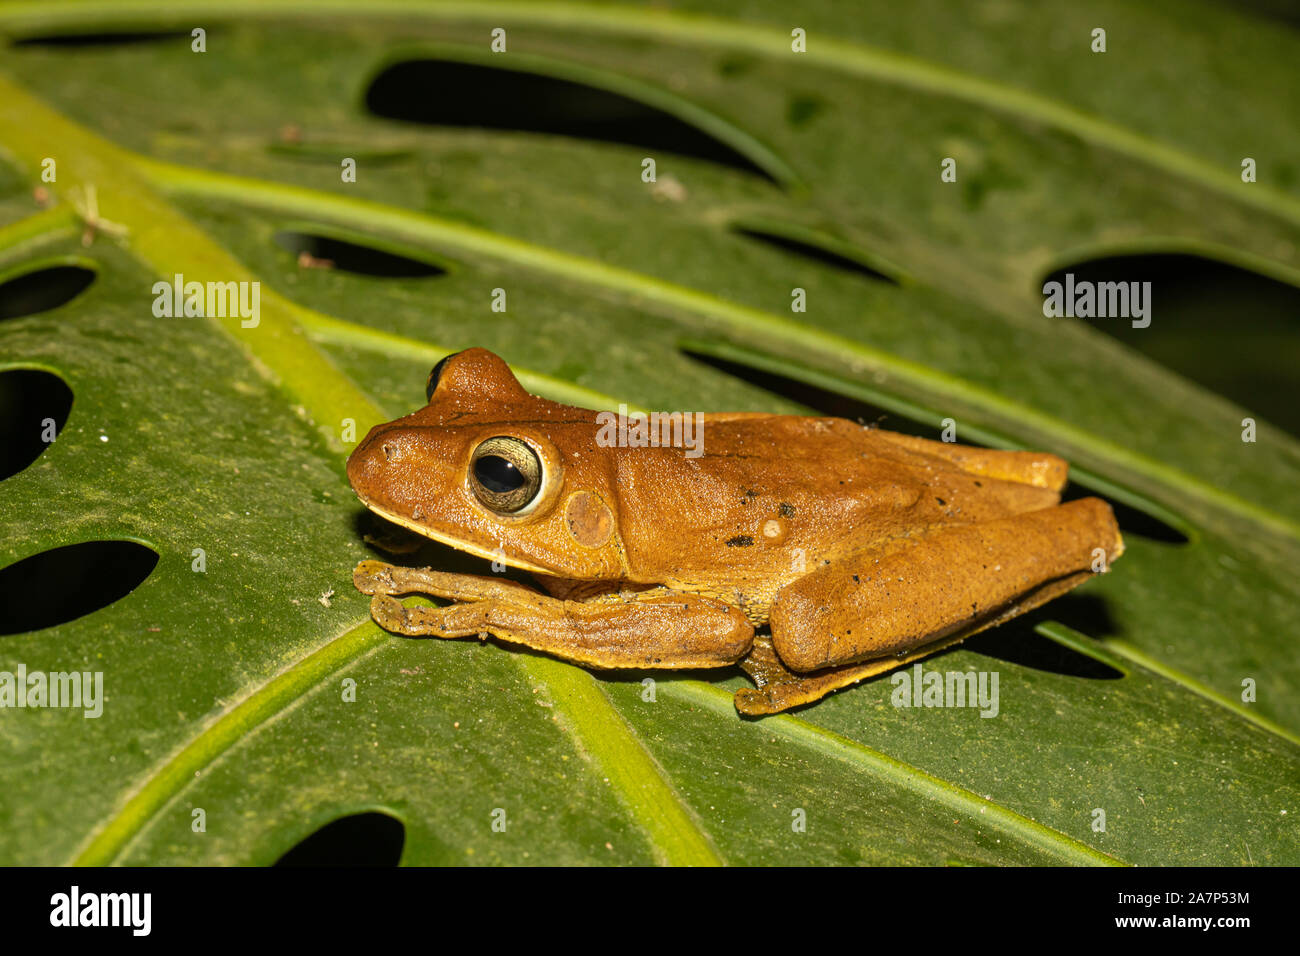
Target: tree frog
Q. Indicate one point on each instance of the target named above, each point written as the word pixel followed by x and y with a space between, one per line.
pixel 860 549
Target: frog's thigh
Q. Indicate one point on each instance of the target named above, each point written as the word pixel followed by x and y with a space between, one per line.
pixel 658 628
pixel 866 605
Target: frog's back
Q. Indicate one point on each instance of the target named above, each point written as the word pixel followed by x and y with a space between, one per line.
pixel 773 493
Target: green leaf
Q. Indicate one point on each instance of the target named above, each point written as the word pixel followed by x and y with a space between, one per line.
pixel 227 689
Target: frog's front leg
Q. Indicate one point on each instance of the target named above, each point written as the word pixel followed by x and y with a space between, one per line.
pixel 657 628
pixel 876 610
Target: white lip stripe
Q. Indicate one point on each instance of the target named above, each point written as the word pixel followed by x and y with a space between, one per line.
pixel 467 546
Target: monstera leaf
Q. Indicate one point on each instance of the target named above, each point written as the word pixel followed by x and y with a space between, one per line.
pixel 189 533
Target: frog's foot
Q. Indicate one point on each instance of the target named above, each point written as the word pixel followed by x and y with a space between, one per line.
pixel 777 688
pixel 650 628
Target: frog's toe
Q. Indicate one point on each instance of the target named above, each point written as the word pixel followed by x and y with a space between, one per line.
pixel 390 614
pixel 373 577
pixel 778 696
pixel 452 621
pixel 784 691
pixel 755 703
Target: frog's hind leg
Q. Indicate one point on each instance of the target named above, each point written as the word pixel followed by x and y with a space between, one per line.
pixel 1036 469
pixel 873 610
pixel 778 688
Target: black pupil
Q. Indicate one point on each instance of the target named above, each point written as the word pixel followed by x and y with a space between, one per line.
pixel 498 475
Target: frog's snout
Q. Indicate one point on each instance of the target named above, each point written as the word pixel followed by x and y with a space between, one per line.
pixel 361 463
pixel 399 469
pixel 372 458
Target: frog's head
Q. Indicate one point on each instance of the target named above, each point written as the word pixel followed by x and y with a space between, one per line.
pixel 489 469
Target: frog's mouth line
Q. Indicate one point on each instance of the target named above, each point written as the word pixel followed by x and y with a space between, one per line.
pixel 459 544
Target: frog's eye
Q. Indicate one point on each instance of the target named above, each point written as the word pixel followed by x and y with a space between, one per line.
pixel 437 374
pixel 506 474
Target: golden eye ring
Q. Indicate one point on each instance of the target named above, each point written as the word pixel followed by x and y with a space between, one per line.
pixel 505 475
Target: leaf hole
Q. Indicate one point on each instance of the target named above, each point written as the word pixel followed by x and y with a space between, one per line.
pixel 1132 520
pixel 102 39
pixel 454 93
pixel 816 247
pixel 355 257
pixel 362 839
pixel 41 289
pixel 1229 329
pixel 1017 642
pixel 34 407
pixel 63 584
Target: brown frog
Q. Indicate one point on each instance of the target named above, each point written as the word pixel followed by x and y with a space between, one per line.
pixel 861 549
